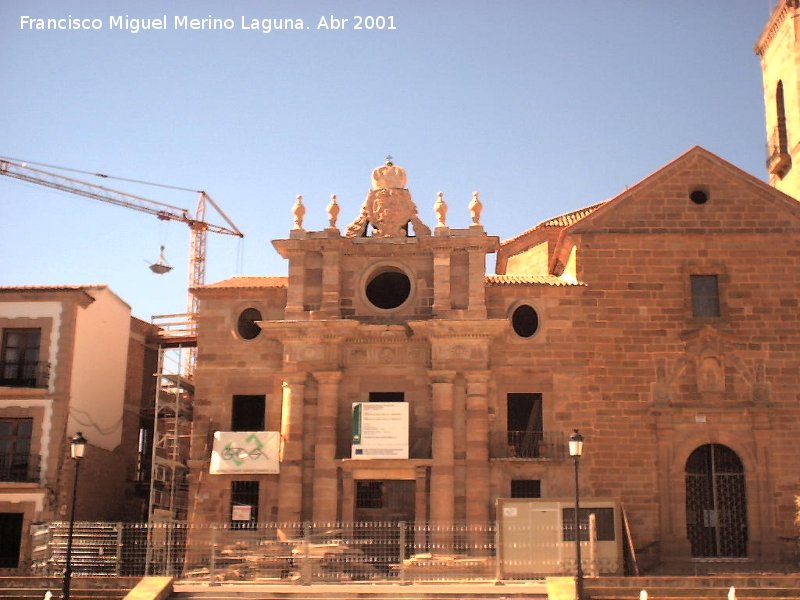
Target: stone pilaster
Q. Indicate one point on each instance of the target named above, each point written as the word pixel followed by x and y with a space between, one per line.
pixel 441 282
pixel 295 293
pixel 442 472
pixel 421 505
pixel 477 451
pixel 290 487
pixel 325 491
pixel 477 286
pixel 330 283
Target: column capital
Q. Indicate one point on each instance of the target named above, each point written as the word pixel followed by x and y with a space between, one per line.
pixel 477 377
pixel 327 376
pixel 294 378
pixel 441 376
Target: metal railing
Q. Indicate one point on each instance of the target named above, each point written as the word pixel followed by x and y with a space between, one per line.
pixel 307 553
pixel 528 444
pixel 26 374
pixel 19 467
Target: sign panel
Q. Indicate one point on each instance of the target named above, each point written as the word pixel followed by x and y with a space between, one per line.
pixel 245 452
pixel 380 430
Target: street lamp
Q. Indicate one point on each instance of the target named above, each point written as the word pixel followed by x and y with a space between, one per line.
pixel 77 446
pixel 575 451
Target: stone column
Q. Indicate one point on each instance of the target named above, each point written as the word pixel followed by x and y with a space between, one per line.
pixel 421 507
pixel 290 480
pixel 477 452
pixel 325 491
pixel 295 293
pixel 443 471
pixel 476 301
pixel 348 497
pixel 330 283
pixel 441 282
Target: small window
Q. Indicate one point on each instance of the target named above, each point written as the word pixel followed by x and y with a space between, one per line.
pixel 15 450
pixel 369 494
pixel 246 325
pixel 525 321
pixel 387 397
pixel 244 504
pixel 526 488
pixel 19 364
pixel 705 295
pixel 247 413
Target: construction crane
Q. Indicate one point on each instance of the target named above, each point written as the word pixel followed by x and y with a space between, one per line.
pixel 198 226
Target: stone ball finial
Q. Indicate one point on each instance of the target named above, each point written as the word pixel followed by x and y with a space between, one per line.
pixel 333 212
pixel 299 211
pixel 440 208
pixel 475 209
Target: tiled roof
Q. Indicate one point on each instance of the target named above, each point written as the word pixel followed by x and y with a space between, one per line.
pixel 529 280
pixel 51 288
pixel 246 282
pixel 560 221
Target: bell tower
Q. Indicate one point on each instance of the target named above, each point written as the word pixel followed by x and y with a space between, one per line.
pixel 779 50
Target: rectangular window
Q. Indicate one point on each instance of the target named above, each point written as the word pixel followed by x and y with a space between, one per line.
pixel 369 494
pixel 705 295
pixel 20 360
pixel 15 450
pixel 526 488
pixel 247 413
pixel 604 518
pixel 244 504
pixel 10 539
pixel 524 421
pixel 387 397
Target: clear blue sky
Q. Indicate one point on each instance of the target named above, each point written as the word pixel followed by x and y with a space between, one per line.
pixel 543 106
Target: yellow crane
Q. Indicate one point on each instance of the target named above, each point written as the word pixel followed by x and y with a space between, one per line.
pixel 198 226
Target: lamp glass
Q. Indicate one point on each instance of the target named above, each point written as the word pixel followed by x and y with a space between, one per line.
pixel 575 444
pixel 77 446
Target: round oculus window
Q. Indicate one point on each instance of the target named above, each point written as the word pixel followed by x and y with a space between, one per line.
pixel 698 196
pixel 246 326
pixel 388 288
pixel 525 320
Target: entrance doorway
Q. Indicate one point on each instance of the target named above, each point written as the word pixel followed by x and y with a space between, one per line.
pixel 381 500
pixel 716 505
pixel 10 539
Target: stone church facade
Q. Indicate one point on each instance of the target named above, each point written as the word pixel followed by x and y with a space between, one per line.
pixel 663 324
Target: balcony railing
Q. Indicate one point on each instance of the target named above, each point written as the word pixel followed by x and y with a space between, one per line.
pixel 27 374
pixel 529 444
pixel 19 468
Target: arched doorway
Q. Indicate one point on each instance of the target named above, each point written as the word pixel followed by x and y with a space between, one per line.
pixel 716 505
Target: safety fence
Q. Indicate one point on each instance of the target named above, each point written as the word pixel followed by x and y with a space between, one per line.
pixel 308 553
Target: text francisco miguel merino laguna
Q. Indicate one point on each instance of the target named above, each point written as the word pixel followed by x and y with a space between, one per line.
pixel 209 23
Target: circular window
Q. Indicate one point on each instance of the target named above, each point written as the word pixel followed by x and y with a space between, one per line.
pixel 698 196
pixel 246 326
pixel 525 321
pixel 389 288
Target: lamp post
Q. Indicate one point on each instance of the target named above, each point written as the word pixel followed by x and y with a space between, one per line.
pixel 575 451
pixel 77 446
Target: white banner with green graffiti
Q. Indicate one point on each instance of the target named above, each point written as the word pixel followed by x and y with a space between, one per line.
pixel 245 452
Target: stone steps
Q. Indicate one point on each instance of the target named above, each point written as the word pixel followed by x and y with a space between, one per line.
pixel 686 588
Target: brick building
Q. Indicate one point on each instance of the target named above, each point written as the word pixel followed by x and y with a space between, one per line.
pixel 73 359
pixel 662 323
